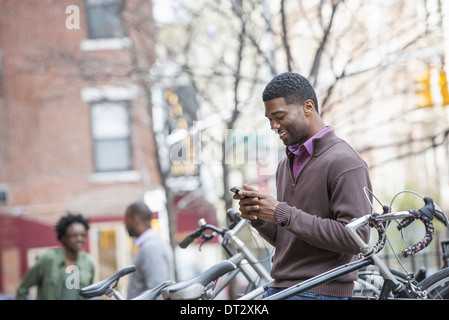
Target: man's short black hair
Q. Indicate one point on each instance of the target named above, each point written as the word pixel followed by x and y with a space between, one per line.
pixel 293 87
pixel 66 221
pixel 141 210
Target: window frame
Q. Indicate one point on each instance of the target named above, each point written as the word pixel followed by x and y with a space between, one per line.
pixel 102 4
pixel 126 104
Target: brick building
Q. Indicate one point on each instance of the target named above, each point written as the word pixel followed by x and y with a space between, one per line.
pixel 75 125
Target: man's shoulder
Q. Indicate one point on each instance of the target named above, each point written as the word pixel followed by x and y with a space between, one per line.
pixel 346 153
pixel 155 241
pixel 339 157
pixel 334 147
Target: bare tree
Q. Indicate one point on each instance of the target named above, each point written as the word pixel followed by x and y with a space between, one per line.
pixel 231 49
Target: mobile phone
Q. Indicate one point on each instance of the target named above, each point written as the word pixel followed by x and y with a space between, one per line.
pixel 237 189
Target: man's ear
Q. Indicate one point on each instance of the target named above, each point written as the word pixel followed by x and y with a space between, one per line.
pixel 308 107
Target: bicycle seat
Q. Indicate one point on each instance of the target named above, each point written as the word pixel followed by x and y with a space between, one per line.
pixel 193 288
pixel 152 294
pixel 101 287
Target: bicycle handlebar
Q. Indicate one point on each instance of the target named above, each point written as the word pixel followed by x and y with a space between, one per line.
pixel 425 214
pixel 191 237
pixel 234 217
pixel 375 220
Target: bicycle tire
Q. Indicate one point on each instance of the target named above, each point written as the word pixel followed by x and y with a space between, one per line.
pixel 437 285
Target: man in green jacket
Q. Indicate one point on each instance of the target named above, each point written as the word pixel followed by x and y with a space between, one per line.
pixel 60 273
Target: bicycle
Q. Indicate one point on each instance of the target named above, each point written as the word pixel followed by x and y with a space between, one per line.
pixel 428 288
pixel 369 282
pixel 393 286
pixel 195 288
pixel 201 286
pixel 237 251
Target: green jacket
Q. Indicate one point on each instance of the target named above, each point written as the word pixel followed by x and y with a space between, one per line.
pixel 48 274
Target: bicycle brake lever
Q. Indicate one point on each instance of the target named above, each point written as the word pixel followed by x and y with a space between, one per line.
pixel 429 208
pixel 402 235
pixel 206 238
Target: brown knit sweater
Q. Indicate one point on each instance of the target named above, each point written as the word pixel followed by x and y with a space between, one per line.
pixel 310 236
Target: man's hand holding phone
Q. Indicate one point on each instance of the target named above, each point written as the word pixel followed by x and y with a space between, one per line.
pixel 255 205
pixel 248 209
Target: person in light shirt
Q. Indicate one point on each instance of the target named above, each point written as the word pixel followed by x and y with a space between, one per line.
pixel 154 259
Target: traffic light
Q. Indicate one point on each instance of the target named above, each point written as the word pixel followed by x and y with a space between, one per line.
pixel 442 81
pixel 423 89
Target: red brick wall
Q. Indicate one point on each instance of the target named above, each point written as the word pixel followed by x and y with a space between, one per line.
pixel 46 155
pixel 48 147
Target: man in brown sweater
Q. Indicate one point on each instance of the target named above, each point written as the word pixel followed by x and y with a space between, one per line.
pixel 320 188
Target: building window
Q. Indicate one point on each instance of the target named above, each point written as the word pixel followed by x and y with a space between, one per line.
pixel 3 196
pixel 104 19
pixel 111 133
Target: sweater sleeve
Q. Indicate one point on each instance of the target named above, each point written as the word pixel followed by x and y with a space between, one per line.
pixel 347 202
pixel 267 230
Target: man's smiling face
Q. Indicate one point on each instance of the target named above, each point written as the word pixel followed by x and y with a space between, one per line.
pixel 289 121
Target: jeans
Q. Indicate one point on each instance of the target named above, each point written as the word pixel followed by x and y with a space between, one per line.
pixel 303 295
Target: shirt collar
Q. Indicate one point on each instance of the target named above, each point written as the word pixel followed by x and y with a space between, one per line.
pixel 307 146
pixel 60 253
pixel 147 234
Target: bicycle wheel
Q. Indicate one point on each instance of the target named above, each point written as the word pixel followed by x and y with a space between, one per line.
pixel 437 285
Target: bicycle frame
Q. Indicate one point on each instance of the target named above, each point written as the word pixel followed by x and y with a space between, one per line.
pixel 370 258
pixel 114 293
pixel 238 252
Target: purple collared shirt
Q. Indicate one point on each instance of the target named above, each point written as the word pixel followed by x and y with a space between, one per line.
pixel 303 152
